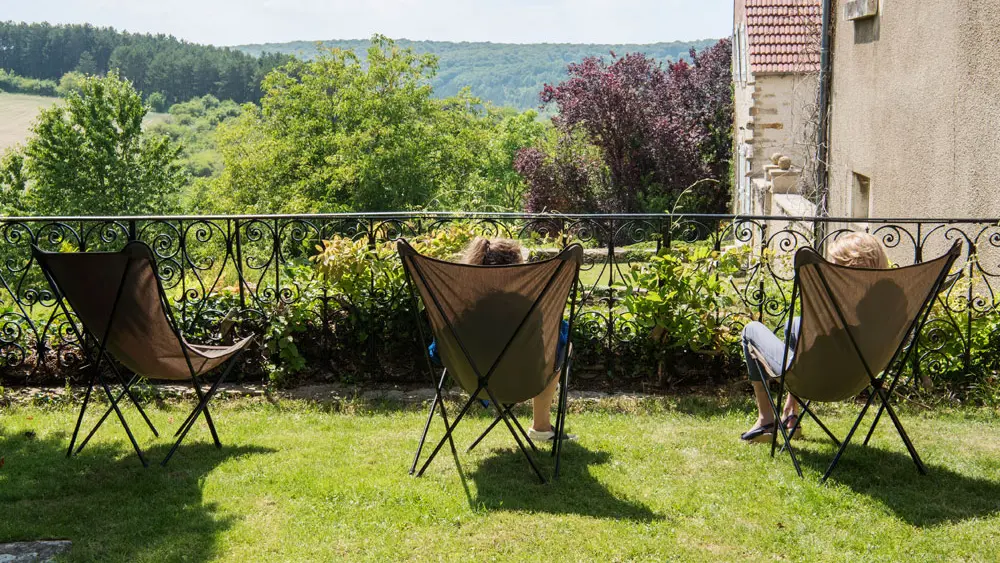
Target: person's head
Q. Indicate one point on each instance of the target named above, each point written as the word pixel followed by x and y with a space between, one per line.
pixel 492 252
pixel 858 250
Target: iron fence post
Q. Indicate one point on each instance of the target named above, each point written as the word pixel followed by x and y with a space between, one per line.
pixel 239 264
pixel 371 353
pixel 611 299
pixel 970 306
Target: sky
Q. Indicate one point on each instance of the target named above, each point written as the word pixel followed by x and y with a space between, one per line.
pixel 234 22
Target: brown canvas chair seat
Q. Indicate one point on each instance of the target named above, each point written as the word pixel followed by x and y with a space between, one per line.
pixel 855 324
pixel 497 333
pixel 124 315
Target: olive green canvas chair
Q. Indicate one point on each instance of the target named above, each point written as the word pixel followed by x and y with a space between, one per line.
pixel 497 332
pixel 858 327
pixel 122 314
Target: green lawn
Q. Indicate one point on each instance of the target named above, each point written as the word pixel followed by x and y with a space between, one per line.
pixel 658 480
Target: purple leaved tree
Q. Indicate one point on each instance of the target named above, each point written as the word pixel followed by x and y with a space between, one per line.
pixel 658 132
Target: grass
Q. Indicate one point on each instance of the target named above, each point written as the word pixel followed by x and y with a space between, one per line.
pixel 18 112
pixel 648 480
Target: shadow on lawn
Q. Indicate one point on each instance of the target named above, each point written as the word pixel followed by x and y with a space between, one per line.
pixel 942 496
pixel 505 482
pixel 106 503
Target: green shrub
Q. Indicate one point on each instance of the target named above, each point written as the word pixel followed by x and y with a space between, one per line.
pixel 10 82
pixel 681 296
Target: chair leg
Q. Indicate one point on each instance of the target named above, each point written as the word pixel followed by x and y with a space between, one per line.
pixel 208 415
pixel 423 437
pixel 448 430
pixel 202 406
pixel 517 438
pixel 200 395
pixel 847 439
pixel 104 417
pixel 561 419
pixel 438 400
pixel 808 410
pixel 128 391
pixel 784 431
pixel 871 431
pixel 121 417
pixel 107 413
pixel 883 396
pixel 520 428
pixel 79 419
pixel 483 435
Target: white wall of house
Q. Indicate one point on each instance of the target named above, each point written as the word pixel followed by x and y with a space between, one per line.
pixel 915 111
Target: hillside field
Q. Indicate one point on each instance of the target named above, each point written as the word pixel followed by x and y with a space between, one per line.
pixel 18 111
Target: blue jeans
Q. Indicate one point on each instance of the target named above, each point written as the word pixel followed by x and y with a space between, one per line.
pixel 769 345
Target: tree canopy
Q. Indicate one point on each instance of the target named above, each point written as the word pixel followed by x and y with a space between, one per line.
pixel 176 69
pixel 90 157
pixel 504 74
pixel 659 131
pixel 334 134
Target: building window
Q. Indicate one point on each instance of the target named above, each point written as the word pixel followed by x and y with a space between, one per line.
pixel 861 197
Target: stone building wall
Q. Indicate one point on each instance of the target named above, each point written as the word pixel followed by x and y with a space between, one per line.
pixel 915 111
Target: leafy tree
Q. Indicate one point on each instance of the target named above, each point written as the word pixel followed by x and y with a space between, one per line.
pixel 71 82
pixel 13 183
pixel 154 63
pixel 508 75
pixel 659 131
pixel 90 157
pixel 157 102
pixel 703 100
pixel 86 65
pixel 334 134
pixel 566 175
pixel 478 146
pixel 193 125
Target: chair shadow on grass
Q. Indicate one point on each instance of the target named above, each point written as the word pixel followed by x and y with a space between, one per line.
pixel 107 504
pixel 940 497
pixel 504 481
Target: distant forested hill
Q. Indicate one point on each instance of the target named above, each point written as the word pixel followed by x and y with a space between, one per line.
pixel 505 74
pixel 176 69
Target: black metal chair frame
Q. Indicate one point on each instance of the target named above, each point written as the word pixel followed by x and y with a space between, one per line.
pixel 503 411
pixel 877 383
pixel 97 352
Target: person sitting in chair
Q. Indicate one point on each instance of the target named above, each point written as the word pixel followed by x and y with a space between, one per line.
pixel 502 252
pixel 856 250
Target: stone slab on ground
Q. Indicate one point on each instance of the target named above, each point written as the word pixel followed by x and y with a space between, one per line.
pixel 33 551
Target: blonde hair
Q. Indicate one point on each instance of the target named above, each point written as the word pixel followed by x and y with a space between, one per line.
pixel 492 252
pixel 858 250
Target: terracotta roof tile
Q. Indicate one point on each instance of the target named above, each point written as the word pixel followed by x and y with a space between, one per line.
pixel 783 35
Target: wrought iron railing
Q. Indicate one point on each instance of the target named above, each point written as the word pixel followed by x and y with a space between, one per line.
pixel 231 274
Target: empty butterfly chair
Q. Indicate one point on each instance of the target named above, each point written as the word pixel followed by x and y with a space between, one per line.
pixel 857 331
pixel 497 333
pixel 124 316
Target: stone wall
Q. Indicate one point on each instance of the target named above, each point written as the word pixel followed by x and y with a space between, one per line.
pixel 773 113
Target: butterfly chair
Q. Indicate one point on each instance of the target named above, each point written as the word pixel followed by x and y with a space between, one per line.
pixel 497 332
pixel 124 315
pixel 855 324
